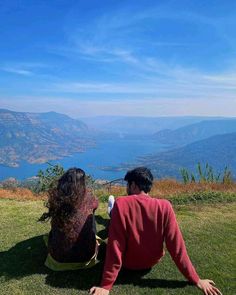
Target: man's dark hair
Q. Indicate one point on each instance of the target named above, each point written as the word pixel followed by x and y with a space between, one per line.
pixel 142 177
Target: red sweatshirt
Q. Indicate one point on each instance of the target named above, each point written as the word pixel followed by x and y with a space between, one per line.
pixel 139 227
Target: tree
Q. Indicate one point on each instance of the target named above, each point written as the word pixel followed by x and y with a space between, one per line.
pixel 48 178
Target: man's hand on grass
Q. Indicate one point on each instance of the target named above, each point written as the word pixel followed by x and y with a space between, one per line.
pixel 98 291
pixel 208 287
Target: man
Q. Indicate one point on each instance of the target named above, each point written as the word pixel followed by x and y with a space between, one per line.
pixel 139 227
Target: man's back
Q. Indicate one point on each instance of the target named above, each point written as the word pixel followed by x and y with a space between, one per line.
pixel 139 226
pixel 142 220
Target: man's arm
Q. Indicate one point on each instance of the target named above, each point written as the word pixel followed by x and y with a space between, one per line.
pixel 115 247
pixel 177 249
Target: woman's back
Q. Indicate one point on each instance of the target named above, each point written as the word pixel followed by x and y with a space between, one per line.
pixel 75 240
pixel 71 209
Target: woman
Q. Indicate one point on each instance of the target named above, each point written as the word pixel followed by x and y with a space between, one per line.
pixel 72 241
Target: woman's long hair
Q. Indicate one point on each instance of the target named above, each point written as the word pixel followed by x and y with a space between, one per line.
pixel 67 197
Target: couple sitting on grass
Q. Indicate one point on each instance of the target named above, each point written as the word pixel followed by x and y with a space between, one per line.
pixel 139 227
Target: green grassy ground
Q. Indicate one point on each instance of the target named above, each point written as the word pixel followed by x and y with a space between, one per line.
pixel 209 231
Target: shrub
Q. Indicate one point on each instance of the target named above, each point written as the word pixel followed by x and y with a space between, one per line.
pixel 206 175
pixel 200 197
pixel 48 179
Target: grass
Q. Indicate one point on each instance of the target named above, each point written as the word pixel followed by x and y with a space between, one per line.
pixel 208 228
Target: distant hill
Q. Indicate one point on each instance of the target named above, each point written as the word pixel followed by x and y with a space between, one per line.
pixel 140 125
pixel 39 137
pixel 195 132
pixel 218 151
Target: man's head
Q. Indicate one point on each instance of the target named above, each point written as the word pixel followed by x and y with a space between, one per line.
pixel 139 180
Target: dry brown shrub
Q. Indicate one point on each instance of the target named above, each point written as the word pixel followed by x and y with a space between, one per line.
pixel 166 187
pixel 109 190
pixel 161 189
pixel 21 194
pixel 117 190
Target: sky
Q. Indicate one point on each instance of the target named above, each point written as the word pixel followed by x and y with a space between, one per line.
pixel 133 58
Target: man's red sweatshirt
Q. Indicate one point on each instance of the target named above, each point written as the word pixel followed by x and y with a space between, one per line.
pixel 139 227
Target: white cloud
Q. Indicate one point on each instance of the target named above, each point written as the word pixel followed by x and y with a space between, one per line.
pixel 18 71
pixel 175 83
pixel 22 68
pixel 104 35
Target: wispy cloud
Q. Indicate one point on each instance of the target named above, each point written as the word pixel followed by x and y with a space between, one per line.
pixel 153 76
pixel 23 68
pixel 106 35
pixel 114 43
pixel 167 82
pixel 17 71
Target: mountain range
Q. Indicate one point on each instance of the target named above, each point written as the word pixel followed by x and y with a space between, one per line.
pixel 39 137
pixel 195 132
pixel 140 125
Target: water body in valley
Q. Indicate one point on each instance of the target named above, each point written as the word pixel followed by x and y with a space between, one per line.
pixel 108 152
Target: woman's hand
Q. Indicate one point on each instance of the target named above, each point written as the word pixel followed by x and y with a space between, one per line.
pixel 98 291
pixel 208 287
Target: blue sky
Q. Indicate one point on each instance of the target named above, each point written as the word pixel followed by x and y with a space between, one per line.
pixel 150 58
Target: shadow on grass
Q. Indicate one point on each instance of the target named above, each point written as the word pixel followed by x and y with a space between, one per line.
pixel 136 278
pixel 103 234
pixel 27 258
pixel 102 221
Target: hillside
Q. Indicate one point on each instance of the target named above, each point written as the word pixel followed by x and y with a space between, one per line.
pixel 39 137
pixel 218 151
pixel 195 132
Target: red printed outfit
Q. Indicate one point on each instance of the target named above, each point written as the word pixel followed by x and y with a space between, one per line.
pixel 77 241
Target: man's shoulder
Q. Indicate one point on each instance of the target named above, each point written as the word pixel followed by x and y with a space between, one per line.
pixel 164 202
pixel 126 200
pixel 122 200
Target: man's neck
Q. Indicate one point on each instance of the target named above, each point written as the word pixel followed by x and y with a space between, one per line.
pixel 139 193
pixel 143 193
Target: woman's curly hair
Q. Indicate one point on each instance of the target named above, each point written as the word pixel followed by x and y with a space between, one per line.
pixel 67 197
